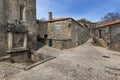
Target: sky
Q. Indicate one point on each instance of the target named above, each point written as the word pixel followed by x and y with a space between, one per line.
pixel 92 10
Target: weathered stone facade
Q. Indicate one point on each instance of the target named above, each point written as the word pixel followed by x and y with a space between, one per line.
pixel 19 10
pixel 110 33
pixel 12 37
pixel 3 41
pixel 17 23
pixel 42 29
pixel 63 33
pixel 86 32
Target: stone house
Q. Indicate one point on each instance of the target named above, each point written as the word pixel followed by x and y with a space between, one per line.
pixel 63 33
pixel 17 23
pixel 109 32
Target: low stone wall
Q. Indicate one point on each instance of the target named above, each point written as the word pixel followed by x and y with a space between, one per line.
pixel 115 43
pixel 20 57
pixel 99 42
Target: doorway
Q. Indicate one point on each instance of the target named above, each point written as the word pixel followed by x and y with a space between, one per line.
pixel 100 33
pixel 50 42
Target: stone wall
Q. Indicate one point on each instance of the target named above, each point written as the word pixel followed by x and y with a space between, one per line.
pixel 62 44
pixel 3 41
pixel 65 34
pixel 110 34
pixel 42 28
pixel 1 11
pixel 10 10
pixel 20 11
pixel 77 34
pixel 20 57
pixel 18 36
pixel 31 16
pixel 59 30
pixel 87 32
pixel 58 33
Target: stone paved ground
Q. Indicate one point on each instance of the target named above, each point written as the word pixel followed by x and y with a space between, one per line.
pixel 85 62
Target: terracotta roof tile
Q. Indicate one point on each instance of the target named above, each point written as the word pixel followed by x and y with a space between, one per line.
pixel 62 19
pixel 108 23
pixel 58 19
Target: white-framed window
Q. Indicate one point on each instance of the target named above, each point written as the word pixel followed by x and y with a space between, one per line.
pixel 107 29
pixel 57 26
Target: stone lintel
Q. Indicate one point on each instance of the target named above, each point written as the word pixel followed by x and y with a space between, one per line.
pixel 17 50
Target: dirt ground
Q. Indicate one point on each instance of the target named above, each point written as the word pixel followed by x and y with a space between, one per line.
pixel 86 62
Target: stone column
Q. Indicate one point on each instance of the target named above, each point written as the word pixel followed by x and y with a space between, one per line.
pixel 10 41
pixel 25 41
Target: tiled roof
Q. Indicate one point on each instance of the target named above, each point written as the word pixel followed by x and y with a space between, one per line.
pixel 90 25
pixel 108 23
pixel 58 19
pixel 62 19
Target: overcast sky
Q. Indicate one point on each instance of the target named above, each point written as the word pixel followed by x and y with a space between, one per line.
pixel 92 10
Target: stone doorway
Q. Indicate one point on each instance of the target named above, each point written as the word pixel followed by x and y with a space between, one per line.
pixel 50 42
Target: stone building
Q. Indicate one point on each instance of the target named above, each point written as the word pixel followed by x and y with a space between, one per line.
pixel 17 23
pixel 65 33
pixel 108 33
pixel 86 31
pixel 62 33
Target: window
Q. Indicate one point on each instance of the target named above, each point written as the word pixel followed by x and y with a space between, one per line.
pixel 57 26
pixel 22 13
pixel 97 31
pixel 107 29
pixel 45 36
pixel 69 24
pixel 76 28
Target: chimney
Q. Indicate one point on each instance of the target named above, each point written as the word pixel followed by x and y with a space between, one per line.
pixel 50 15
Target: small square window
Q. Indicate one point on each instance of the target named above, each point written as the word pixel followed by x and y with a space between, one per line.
pixel 107 29
pixel 57 26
